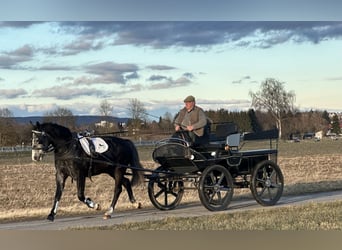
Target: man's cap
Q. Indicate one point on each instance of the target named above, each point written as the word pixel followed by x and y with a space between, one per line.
pixel 189 98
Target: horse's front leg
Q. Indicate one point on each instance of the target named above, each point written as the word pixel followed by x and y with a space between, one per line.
pixel 80 193
pixel 60 183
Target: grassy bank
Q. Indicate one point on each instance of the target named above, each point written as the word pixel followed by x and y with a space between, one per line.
pixel 313 216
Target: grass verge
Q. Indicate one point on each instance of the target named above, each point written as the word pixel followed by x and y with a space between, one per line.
pixel 312 216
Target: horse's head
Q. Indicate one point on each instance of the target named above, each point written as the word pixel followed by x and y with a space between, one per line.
pixel 41 143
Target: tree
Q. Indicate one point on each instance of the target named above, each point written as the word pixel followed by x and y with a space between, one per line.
pixel 106 108
pixel 8 133
pixel 5 112
pixel 138 113
pixel 335 125
pixel 256 127
pixel 165 122
pixel 273 98
pixel 61 116
pixel 326 117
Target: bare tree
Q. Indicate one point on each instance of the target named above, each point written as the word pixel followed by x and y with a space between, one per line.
pixel 5 112
pixel 137 111
pixel 7 129
pixel 106 108
pixel 273 98
pixel 165 122
pixel 62 116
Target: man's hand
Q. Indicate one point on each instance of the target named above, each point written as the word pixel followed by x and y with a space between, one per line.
pixel 190 128
pixel 177 127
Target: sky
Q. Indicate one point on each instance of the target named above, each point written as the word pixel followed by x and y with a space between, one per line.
pixel 77 62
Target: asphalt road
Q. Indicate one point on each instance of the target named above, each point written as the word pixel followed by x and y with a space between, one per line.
pixel 139 215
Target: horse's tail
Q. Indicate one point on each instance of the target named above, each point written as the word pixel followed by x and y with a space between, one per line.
pixel 137 168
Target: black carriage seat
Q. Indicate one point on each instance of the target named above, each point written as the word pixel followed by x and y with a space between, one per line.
pixel 271 136
pixel 222 130
pixel 215 140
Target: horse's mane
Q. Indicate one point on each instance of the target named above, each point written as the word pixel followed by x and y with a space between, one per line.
pixel 56 130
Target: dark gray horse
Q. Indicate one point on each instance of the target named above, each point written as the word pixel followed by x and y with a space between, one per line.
pixel 72 161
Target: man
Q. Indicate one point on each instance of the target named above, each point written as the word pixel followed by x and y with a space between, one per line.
pixel 193 120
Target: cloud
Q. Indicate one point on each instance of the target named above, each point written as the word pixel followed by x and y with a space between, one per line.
pixel 29 80
pixel 18 24
pixel 55 67
pixel 188 75
pixel 108 72
pixel 198 34
pixel 192 35
pixel 170 83
pixel 244 80
pixel 80 46
pixel 160 67
pixel 157 78
pixel 12 93
pixel 67 93
pixel 24 51
pixel 10 59
pixel 335 79
pixel 133 75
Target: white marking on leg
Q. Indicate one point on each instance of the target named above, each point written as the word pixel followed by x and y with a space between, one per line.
pixel 56 207
pixel 109 211
pixel 89 203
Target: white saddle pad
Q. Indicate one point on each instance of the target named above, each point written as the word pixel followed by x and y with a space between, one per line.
pixel 100 145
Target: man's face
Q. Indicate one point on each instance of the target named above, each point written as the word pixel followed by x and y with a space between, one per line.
pixel 189 105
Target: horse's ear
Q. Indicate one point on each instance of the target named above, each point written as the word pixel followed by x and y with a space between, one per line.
pixel 37 124
pixel 32 124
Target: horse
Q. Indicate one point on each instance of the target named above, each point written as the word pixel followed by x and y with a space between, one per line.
pixel 72 161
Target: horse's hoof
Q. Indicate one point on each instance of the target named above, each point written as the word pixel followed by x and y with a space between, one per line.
pixel 50 217
pixel 107 216
pixel 139 205
pixel 97 207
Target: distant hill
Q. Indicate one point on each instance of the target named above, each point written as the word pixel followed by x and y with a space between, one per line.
pixel 80 120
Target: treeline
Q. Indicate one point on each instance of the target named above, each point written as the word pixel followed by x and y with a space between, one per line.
pixel 13 134
pixel 293 123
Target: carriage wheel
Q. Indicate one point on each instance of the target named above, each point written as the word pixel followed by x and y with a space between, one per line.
pixel 216 188
pixel 165 193
pixel 267 183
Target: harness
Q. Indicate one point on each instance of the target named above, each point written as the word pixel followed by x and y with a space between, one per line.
pixel 71 145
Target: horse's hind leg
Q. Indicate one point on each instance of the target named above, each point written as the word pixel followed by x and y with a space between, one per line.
pixel 60 183
pixel 117 192
pixel 118 177
pixel 127 184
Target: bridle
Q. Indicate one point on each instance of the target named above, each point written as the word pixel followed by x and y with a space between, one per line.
pixel 40 146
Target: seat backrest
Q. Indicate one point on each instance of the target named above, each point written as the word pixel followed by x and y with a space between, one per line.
pixel 225 129
pixel 233 140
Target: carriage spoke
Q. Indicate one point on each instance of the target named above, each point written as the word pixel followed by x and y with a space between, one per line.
pixel 220 179
pixel 262 191
pixel 212 177
pixel 159 193
pixel 166 199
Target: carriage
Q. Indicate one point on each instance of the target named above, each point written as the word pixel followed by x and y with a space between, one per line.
pixel 229 160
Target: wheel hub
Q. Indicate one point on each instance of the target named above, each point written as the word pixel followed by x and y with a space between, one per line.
pixel 268 183
pixel 217 188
